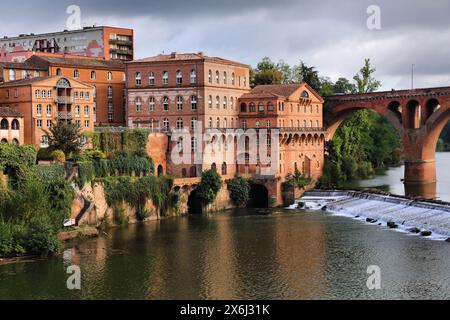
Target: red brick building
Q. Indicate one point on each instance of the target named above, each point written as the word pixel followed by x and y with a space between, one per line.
pixel 169 93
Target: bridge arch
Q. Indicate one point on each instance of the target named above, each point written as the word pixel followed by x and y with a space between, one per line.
pixel 259 196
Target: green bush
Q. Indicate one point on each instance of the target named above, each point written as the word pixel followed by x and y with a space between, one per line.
pixel 44 154
pixel 120 217
pixel 86 172
pixel 52 172
pixel 209 186
pixel 58 156
pixel 143 214
pixel 42 238
pixel 11 239
pixel 239 191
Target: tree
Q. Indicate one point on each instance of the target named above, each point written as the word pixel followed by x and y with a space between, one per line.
pixel 365 83
pixel 343 86
pixel 266 72
pixel 303 73
pixel 209 187
pixel 65 137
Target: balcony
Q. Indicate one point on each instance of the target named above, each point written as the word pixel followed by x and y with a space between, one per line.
pixel 64 115
pixel 64 100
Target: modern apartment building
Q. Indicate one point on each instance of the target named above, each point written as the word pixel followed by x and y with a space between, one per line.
pixel 103 42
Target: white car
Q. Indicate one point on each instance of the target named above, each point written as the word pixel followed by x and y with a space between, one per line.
pixel 69 223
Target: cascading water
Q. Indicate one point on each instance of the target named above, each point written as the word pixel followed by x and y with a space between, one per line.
pixel 400 213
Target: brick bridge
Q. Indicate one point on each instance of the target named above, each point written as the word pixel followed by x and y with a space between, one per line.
pixel 419 116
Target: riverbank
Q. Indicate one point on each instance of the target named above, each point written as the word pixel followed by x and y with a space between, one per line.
pixel 429 218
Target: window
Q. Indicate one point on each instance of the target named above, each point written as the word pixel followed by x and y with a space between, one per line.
pixel 39 109
pixel 225 103
pixel 49 124
pixel 225 123
pixel 210 102
pixel 49 110
pixel 179 77
pixel 138 104
pixel 224 169
pixel 233 79
pixel 194 124
pixel 304 123
pixel 37 94
pixel 110 75
pixel 86 111
pixel 244 124
pixel 110 92
pixel 270 106
pixel 210 76
pixel 76 74
pixel 87 95
pixel 152 104
pixel 94 91
pixel 58 72
pixel 138 79
pixel 218 102
pixel 75 95
pixel 24 74
pixel 39 123
pixel 165 104
pixel 217 77
pixel 317 124
pixel 218 123
pixel 179 123
pixel 268 124
pixel 15 125
pixel 166 125
pixel 77 123
pixel 232 103
pixel 225 78
pixel 210 124
pixel 252 107
pixel 37 74
pixel 93 75
pixel 49 93
pixel 81 95
pixel 243 107
pixel 257 124
pixel 86 123
pixel 44 141
pixel 179 103
pixel 151 78
pixel 12 75
pixel 43 94
pixel 194 103
pixel 193 145
pixel 165 78
pixel 261 107
pixel 4 125
pixel 77 111
pixel 193 77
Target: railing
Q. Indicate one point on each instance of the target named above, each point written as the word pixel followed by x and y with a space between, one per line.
pixel 301 129
pixel 64 115
pixel 64 100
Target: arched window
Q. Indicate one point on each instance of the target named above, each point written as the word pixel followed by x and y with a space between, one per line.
pixel 210 76
pixel 210 123
pixel 165 78
pixel 194 102
pixel 37 93
pixel 77 111
pixel 93 75
pixel 58 72
pixel 243 107
pixel 225 103
pixel 179 77
pixel 166 125
pixel 152 104
pixel 39 109
pixel 225 78
pixel 43 94
pixel 4 141
pixel 225 123
pixel 305 95
pixel 214 167
pixel 193 77
pixel 317 124
pixel 224 169
pixel 180 123
pixel 217 77
pixel 151 78
pixel 76 74
pixel 15 125
pixel 261 107
pixel 49 110
pixel 165 104
pixel 138 78
pixel 233 79
pixel 110 75
pixel 210 102
pixel 252 107
pixel 218 123
pixel 218 102
pixel 304 123
pixel 15 141
pixel 138 103
pixel 179 103
pixel 4 124
pixel 86 111
pixel 270 106
pixel 232 103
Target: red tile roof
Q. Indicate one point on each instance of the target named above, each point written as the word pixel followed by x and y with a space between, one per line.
pixel 9 112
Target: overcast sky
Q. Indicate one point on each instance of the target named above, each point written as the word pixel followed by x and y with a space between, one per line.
pixel 331 35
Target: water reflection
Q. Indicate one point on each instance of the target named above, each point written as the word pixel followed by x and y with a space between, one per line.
pixel 240 255
pixel 391 181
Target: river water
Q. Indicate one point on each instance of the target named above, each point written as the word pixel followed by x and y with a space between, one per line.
pixel 390 180
pixel 247 254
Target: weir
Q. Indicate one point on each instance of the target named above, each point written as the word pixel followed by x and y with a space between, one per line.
pixel 405 213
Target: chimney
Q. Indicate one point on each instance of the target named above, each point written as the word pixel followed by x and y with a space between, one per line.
pixel 173 55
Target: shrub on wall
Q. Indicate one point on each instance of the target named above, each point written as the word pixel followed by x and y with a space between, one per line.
pixel 86 172
pixel 49 173
pixel 209 187
pixel 239 191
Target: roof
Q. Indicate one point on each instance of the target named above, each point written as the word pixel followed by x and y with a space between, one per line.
pixel 252 95
pixel 282 90
pixel 187 57
pixel 20 65
pixel 9 112
pixel 61 60
pixel 23 82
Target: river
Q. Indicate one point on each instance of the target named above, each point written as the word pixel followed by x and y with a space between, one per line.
pixel 391 179
pixel 246 254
